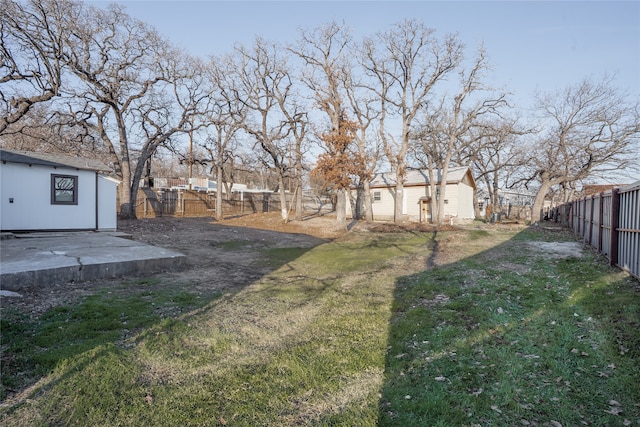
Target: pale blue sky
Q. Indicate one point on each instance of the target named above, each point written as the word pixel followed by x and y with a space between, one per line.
pixel 532 45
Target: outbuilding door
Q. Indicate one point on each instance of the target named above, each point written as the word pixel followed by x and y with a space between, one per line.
pixel 425 209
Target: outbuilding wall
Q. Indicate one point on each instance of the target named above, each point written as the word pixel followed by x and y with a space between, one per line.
pixel 107 212
pixel 25 194
pixel 459 203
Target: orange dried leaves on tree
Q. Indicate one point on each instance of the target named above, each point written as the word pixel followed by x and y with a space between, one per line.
pixel 339 163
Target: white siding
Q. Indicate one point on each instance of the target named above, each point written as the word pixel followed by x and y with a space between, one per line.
pixel 459 204
pixel 30 189
pixel 413 195
pixel 107 215
pixel 458 196
pixel 384 208
pixel 465 198
pixel 451 200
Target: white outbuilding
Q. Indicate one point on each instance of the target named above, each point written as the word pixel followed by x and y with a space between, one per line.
pixel 417 200
pixel 50 192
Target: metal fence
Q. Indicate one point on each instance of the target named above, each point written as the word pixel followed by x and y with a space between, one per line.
pixel 610 222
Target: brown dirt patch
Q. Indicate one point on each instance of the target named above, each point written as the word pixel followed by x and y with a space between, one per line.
pixel 222 256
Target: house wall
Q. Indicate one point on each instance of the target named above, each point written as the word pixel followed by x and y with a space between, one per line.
pixel 30 189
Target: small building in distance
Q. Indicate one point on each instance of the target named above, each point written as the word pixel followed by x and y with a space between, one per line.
pixel 418 202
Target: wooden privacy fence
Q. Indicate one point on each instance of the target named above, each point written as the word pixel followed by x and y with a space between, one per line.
pixel 610 222
pixel 152 204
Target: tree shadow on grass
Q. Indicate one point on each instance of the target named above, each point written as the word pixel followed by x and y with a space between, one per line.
pixel 120 309
pixel 513 336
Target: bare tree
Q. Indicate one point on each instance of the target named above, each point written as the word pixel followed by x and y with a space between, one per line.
pixel 33 35
pixel 449 128
pixel 368 149
pixel 225 118
pixel 325 52
pixel 131 85
pixel 405 64
pixel 298 123
pixel 497 155
pixel 267 90
pixel 44 129
pixel 591 129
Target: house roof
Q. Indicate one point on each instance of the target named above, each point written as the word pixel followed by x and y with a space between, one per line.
pixel 53 160
pixel 415 177
pixel 631 187
pixel 589 189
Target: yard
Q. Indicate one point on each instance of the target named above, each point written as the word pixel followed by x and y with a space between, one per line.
pixel 294 324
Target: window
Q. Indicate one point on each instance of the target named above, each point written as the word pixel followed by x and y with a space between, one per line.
pixel 377 196
pixel 64 190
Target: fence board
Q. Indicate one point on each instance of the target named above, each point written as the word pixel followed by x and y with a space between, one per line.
pixel 151 204
pixel 610 222
pixel 605 231
pixel 629 231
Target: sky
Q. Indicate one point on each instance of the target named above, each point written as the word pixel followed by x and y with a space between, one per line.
pixel 533 46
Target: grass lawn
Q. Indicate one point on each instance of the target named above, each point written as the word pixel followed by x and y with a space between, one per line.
pixel 499 330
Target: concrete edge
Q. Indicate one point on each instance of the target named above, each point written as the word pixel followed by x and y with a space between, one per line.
pixel 82 273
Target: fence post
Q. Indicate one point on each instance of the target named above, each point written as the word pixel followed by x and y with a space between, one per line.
pixel 615 221
pixel 584 218
pixel 591 220
pixel 600 220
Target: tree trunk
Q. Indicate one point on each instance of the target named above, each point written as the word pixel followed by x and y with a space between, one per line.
pixel 127 206
pixel 219 213
pixel 299 201
pixel 432 193
pixel 341 209
pixel 398 216
pixel 358 211
pixel 538 203
pixel 283 199
pixel 440 203
pixel 145 155
pixel 368 210
pixel 495 193
pixel 443 189
pixel 299 192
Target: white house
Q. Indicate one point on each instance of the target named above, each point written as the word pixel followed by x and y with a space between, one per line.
pixel 41 191
pixel 417 202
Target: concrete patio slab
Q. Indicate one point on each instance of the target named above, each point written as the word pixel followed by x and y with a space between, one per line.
pixel 38 259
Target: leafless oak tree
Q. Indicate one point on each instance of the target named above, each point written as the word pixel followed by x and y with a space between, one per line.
pixel 325 52
pixel 33 35
pixel 590 128
pixel 224 119
pixel 132 88
pixel 497 154
pixel 449 127
pixel 405 63
pixel 368 148
pixel 266 89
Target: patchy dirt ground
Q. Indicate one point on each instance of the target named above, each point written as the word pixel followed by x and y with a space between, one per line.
pixel 221 255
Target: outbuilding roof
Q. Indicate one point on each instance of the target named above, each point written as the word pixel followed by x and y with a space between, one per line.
pixel 414 177
pixel 53 160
